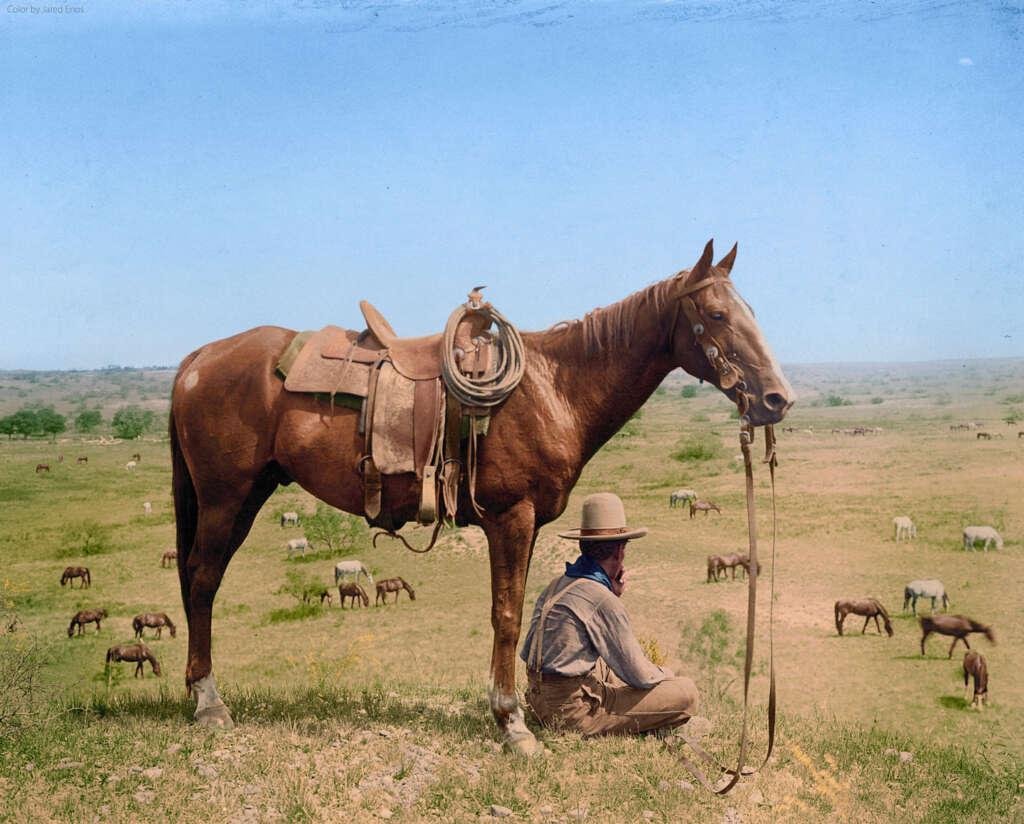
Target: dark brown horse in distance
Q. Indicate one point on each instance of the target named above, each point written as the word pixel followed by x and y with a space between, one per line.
pixel 70 573
pixel 356 592
pixel 868 607
pixel 236 434
pixel 395 585
pixel 83 617
pixel 155 620
pixel 958 626
pixel 134 653
pixel 975 664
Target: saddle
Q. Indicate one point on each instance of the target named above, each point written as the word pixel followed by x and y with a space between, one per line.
pixel 409 421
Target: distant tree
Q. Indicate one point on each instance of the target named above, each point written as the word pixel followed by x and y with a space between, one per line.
pixel 50 422
pixel 340 532
pixel 7 426
pixel 301 586
pixel 128 422
pixel 25 422
pixel 88 420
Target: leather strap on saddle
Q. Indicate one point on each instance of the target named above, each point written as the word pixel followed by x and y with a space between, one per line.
pixel 372 481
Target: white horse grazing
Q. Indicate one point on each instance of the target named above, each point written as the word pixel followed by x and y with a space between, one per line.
pixel 295 544
pixel 130 466
pixel 925 589
pixel 904 527
pixel 147 508
pixel 353 567
pixel 681 496
pixel 290 518
pixel 973 534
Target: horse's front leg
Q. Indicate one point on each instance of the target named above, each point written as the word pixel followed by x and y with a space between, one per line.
pixel 510 539
pixel 865 627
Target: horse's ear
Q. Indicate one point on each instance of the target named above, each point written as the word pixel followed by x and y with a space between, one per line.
pixel 727 262
pixel 700 268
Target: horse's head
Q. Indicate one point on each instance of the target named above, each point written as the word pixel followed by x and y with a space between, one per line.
pixel 716 338
pixel 156 665
pixel 103 613
pixel 987 630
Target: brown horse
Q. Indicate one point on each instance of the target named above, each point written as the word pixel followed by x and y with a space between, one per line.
pixel 703 506
pixel 42 467
pixel 713 567
pixel 135 652
pixel 236 434
pixel 975 664
pixel 959 626
pixel 869 607
pixel 351 588
pixel 83 617
pixel 395 585
pixel 70 573
pixel 156 620
pixel 169 556
pixel 733 560
pixel 82 459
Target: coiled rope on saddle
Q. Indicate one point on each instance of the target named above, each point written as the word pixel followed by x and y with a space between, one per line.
pixel 498 381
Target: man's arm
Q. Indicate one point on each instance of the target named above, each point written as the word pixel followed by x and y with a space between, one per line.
pixel 610 632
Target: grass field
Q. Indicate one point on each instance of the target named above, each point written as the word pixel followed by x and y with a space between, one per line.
pixel 382 712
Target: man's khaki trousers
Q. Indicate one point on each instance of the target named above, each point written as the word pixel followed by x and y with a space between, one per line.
pixel 599 703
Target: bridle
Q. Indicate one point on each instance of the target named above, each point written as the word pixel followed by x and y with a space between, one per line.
pixel 730 376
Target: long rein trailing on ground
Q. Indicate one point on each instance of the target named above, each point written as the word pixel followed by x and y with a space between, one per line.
pixel 730 375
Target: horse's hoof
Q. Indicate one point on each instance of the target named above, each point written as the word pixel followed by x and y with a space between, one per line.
pixel 523 744
pixel 218 717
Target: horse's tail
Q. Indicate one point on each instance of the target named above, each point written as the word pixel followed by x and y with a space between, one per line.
pixel 88 577
pixel 885 616
pixel 186 503
pixel 137 625
pixel 110 655
pixel 839 626
pixel 908 593
pixel 945 600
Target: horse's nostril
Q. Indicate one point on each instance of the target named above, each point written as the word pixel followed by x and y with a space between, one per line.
pixel 773 400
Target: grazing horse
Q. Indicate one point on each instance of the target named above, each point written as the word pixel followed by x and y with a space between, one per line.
pixel 135 652
pixel 975 664
pixel 353 567
pixel 147 508
pixel 83 617
pixel 703 506
pixel 681 496
pixel 136 457
pixel 42 467
pixel 930 588
pixel 714 562
pixel 350 588
pixel 168 557
pixel 959 626
pixel 236 434
pixel 904 527
pixel 130 466
pixel 82 459
pixel 868 607
pixel 70 573
pixel 733 560
pixel 973 534
pixel 156 620
pixel 394 585
pixel 297 544
pixel 289 519
pixel 983 436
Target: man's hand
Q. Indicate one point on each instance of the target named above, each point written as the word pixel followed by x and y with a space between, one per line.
pixel 619 582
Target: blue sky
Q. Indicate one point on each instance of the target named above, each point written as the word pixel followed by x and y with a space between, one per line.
pixel 174 172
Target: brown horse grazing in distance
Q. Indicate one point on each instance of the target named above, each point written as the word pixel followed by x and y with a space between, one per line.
pixel 975 664
pixel 156 620
pixel 42 467
pixel 703 506
pixel 869 607
pixel 135 652
pixel 350 588
pixel 169 556
pixel 70 573
pixel 83 617
pixel 394 585
pixel 959 626
pixel 236 434
pixel 82 459
pixel 714 562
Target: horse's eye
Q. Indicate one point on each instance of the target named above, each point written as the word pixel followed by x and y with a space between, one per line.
pixel 716 315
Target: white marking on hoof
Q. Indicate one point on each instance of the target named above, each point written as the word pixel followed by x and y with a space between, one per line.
pixel 211 711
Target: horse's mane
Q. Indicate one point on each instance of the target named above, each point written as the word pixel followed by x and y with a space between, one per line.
pixel 611 327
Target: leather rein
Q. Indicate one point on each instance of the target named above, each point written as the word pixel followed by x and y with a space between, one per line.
pixel 731 375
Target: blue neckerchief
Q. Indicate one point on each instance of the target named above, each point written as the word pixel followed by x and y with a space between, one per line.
pixel 587 567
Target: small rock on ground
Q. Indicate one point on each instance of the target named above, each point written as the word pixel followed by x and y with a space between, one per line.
pixel 497 811
pixel 144 796
pixel 153 773
pixel 384 813
pixel 906 757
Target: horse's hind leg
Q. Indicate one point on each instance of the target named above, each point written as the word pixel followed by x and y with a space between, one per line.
pixel 510 538
pixel 221 527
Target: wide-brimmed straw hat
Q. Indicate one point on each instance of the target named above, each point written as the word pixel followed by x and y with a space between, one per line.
pixel 603 519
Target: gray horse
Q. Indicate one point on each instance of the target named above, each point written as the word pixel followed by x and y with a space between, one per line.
pixel 925 589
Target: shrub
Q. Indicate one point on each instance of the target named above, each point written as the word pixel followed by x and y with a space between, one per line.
pixel 299 612
pixel 837 400
pixel 338 531
pixel 877 401
pixel 689 391
pixel 84 538
pixel 701 447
